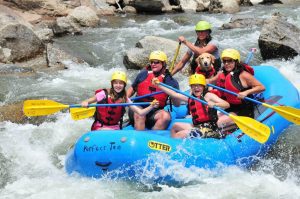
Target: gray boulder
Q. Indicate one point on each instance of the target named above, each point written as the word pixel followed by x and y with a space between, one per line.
pixel 137 58
pixel 17 39
pixel 279 39
pixel 153 6
pixel 243 21
pixel 84 16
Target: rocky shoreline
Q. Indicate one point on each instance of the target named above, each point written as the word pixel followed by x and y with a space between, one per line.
pixel 27 30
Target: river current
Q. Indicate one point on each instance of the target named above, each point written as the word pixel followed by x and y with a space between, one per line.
pixel 32 156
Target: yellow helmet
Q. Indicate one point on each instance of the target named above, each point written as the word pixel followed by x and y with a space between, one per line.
pixel 119 75
pixel 197 79
pixel 202 25
pixel 158 55
pixel 231 53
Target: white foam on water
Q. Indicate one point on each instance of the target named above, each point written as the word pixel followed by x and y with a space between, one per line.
pixel 289 68
pixel 34 155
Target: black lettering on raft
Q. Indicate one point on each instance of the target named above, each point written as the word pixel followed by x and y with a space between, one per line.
pixel 159 146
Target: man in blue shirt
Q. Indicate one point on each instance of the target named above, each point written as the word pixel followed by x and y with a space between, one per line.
pixel 157 119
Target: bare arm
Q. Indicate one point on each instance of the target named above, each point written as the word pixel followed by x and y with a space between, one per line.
pixel 179 66
pixel 175 101
pixel 210 48
pixel 249 80
pixel 145 111
pixel 214 100
pixel 213 79
pixel 175 96
pixel 86 102
pixel 130 92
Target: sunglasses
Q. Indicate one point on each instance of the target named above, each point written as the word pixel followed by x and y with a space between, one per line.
pixel 229 61
pixel 155 62
pixel 201 31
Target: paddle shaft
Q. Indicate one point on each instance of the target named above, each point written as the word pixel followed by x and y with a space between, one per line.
pixel 120 104
pixel 233 93
pixel 175 57
pixel 85 113
pixel 250 55
pixel 147 95
pixel 192 97
pixel 289 113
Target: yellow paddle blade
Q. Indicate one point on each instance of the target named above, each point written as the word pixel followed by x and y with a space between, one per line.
pixel 254 129
pixel 82 113
pixel 289 113
pixel 41 107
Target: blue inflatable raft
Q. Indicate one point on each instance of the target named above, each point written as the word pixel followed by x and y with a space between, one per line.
pixel 129 154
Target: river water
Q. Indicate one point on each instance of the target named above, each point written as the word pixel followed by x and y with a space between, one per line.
pixel 32 156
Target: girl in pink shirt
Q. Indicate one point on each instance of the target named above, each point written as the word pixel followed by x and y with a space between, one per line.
pixel 110 117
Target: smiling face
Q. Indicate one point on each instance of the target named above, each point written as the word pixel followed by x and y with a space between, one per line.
pixel 197 89
pixel 229 64
pixel 118 85
pixel 156 65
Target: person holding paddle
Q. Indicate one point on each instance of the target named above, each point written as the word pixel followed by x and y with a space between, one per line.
pixel 238 78
pixel 111 117
pixel 204 117
pixel 158 118
pixel 203 44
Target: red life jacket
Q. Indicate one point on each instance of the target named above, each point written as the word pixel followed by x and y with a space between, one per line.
pixel 248 69
pixel 220 83
pixel 232 82
pixel 207 74
pixel 146 87
pixel 109 115
pixel 201 113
